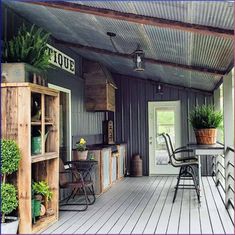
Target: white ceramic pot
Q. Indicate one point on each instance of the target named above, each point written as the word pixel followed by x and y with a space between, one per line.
pixel 11 225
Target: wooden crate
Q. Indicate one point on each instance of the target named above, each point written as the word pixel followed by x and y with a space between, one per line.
pixel 100 97
pixel 22 72
pixel 17 125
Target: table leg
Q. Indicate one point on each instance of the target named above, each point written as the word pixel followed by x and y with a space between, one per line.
pixel 199 175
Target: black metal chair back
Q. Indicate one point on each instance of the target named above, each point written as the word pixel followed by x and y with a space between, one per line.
pixel 169 147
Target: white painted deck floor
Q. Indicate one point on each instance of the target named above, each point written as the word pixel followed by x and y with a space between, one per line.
pixel 144 205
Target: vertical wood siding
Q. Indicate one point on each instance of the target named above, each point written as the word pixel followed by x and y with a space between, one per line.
pixel 131 117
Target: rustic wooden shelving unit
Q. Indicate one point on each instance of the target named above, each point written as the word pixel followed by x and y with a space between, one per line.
pixel 17 111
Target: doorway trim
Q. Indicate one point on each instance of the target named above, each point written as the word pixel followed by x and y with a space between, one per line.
pixel 151 133
pixel 65 90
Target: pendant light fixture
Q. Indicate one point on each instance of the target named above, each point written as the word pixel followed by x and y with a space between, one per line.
pixel 138 58
pixel 159 89
pixel 138 54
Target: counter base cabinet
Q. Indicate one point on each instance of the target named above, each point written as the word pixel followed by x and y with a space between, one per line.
pixel 110 167
pixel 30 110
pixel 121 160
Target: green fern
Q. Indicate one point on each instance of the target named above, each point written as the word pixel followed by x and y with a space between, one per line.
pixel 29 46
pixel 205 117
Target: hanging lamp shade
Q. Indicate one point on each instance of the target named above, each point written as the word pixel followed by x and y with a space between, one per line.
pixel 138 58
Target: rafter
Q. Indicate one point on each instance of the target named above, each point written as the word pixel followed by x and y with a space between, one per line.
pixel 140 19
pixel 148 60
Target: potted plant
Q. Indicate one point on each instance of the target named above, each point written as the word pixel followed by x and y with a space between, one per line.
pixel 25 57
pixel 81 150
pixel 10 163
pixel 41 195
pixel 204 120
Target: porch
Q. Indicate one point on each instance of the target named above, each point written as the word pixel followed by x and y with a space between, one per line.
pixel 115 68
pixel 144 205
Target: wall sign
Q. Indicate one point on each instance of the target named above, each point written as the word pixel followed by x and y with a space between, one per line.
pixel 61 60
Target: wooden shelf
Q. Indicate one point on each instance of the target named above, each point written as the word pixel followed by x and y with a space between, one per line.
pixel 38 123
pixel 43 222
pixel 39 167
pixel 49 123
pixel 44 157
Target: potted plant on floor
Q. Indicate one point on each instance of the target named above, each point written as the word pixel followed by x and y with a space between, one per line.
pixel 42 194
pixel 81 151
pixel 10 163
pixel 25 57
pixel 205 121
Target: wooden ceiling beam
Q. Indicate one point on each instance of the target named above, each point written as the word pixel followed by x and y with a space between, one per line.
pixel 139 19
pixel 148 60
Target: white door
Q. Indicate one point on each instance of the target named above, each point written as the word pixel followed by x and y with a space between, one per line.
pixel 164 116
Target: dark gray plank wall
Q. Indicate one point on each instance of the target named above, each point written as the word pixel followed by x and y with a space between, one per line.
pixel 131 117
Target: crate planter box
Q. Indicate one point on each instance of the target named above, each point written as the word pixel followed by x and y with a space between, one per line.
pixel 22 72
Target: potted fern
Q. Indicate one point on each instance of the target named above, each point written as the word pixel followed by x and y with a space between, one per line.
pixel 10 162
pixel 41 195
pixel 205 121
pixel 25 57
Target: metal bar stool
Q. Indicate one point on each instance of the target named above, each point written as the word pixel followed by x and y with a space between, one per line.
pixel 188 166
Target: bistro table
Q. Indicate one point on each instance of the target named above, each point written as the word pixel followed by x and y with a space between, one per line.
pixel 85 167
pixel 204 150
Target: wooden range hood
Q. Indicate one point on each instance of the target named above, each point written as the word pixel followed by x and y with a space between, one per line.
pixel 99 87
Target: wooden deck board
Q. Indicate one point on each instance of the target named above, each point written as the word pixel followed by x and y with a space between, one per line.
pixel 144 205
pixel 130 224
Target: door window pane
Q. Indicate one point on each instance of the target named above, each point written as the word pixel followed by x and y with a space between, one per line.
pixel 165 122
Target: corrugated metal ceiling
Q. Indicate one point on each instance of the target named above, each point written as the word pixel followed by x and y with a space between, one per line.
pixel 211 13
pixel 164 44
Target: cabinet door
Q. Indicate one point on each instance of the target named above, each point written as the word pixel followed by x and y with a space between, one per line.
pixel 106 155
pixel 122 153
pixel 114 169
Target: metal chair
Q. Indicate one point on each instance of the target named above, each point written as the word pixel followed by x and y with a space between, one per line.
pixel 188 166
pixel 72 179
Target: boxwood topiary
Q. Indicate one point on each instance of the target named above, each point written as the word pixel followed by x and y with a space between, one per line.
pixel 10 154
pixel 9 200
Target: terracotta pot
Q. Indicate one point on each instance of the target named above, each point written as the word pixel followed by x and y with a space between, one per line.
pixel 80 155
pixel 206 136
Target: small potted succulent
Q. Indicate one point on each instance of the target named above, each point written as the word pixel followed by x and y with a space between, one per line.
pixel 41 195
pixel 10 154
pixel 81 150
pixel 205 121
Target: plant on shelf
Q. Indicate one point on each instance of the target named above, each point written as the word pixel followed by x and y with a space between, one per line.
pixel 29 46
pixel 10 154
pixel 205 120
pixel 42 188
pixel 41 194
pixel 81 150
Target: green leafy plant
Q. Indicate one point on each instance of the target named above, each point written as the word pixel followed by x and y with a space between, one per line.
pixel 10 154
pixel 81 145
pixel 8 198
pixel 205 116
pixel 29 46
pixel 43 189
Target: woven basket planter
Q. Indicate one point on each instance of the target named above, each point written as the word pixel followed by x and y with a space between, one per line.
pixel 206 136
